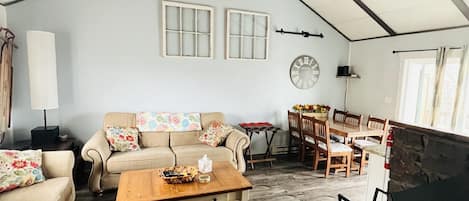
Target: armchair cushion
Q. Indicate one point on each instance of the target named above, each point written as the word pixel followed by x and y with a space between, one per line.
pixel 190 154
pixel 55 189
pixel 154 157
pixel 20 169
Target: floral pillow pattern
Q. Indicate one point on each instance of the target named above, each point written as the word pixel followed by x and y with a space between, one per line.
pixel 153 121
pixel 20 169
pixel 185 122
pixel 215 134
pixel 122 139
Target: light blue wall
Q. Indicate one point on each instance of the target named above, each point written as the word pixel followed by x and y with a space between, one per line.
pixel 108 55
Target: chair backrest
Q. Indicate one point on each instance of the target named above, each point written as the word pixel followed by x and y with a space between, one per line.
pixel 353 119
pixel 339 115
pixel 321 133
pixel 307 126
pixel 294 121
pixel 380 124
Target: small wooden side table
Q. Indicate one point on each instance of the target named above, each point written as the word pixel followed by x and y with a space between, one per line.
pixel 258 128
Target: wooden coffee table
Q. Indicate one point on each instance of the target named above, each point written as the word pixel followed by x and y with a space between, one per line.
pixel 146 185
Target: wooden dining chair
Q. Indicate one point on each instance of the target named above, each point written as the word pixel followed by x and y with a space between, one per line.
pixel 326 150
pixel 361 144
pixel 353 119
pixel 307 130
pixel 338 116
pixel 294 128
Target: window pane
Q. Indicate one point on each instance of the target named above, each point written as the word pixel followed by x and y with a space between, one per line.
pixel 172 43
pixel 188 16
pixel 203 45
pixel 235 44
pixel 203 21
pixel 172 18
pixel 260 48
pixel 235 23
pixel 248 25
pixel 261 26
pixel 188 44
pixel 247 48
pixel 417 97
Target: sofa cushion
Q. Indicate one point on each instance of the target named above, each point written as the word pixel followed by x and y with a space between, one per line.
pixel 154 139
pixel 119 119
pixel 190 154
pixel 153 157
pixel 184 138
pixel 56 189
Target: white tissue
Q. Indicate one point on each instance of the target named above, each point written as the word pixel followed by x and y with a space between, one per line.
pixel 205 164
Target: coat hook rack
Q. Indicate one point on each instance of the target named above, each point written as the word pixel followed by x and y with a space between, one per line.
pixel 303 33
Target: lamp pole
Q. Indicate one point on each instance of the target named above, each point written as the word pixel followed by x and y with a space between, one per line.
pixel 45 120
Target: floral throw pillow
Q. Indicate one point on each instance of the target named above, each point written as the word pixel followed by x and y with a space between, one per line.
pixel 215 134
pixel 122 139
pixel 20 169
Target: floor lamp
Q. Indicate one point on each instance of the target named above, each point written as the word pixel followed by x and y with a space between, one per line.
pixel 43 82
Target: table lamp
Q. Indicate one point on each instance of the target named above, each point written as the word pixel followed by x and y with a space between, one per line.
pixel 43 82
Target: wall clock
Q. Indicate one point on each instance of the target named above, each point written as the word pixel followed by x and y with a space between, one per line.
pixel 304 72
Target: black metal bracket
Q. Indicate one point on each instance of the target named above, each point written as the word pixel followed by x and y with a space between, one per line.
pixel 303 33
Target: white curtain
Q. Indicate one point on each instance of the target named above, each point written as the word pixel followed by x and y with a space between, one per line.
pixel 441 57
pixel 461 106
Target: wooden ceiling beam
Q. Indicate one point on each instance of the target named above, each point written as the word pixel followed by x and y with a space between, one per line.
pixel 463 7
pixel 11 2
pixel 324 19
pixel 375 17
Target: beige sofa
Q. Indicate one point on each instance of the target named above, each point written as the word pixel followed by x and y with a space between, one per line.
pixel 158 149
pixel 57 167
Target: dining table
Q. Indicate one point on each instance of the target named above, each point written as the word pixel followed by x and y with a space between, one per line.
pixel 350 133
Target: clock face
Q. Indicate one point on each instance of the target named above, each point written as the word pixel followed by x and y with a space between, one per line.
pixel 304 72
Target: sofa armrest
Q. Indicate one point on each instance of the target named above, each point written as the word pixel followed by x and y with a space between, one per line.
pixel 238 141
pixel 58 164
pixel 96 151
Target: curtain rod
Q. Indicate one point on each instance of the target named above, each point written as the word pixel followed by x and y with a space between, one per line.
pixel 423 50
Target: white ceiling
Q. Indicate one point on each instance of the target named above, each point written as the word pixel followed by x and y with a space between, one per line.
pixel 402 16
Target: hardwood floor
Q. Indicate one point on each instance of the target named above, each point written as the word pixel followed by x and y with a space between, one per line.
pixel 287 180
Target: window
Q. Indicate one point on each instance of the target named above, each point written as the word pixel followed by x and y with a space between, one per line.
pixel 421 102
pixel 187 30
pixel 247 35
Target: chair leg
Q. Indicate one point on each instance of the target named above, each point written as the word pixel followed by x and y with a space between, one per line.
pixel 328 166
pixel 349 164
pixel 316 160
pixel 362 162
pixel 302 152
pixel 289 144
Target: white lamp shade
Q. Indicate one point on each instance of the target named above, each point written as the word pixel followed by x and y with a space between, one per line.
pixel 42 70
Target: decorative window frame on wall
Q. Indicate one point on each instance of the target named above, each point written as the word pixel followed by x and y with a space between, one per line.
pixel 244 36
pixel 192 30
